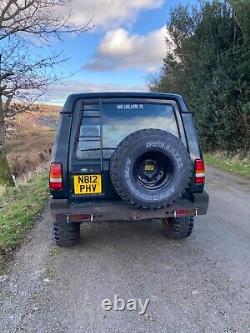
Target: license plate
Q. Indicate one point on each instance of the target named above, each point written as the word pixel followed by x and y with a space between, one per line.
pixel 88 184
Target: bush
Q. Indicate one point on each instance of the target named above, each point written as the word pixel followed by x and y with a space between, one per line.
pixel 210 65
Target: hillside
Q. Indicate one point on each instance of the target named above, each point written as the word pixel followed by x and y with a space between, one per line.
pixel 30 137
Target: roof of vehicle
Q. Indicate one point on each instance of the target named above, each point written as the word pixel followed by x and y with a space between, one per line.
pixel 69 104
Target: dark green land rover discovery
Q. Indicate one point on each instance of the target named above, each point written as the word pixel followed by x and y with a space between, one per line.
pixel 126 157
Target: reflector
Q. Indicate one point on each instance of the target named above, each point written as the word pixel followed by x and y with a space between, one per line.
pixel 185 212
pixel 79 218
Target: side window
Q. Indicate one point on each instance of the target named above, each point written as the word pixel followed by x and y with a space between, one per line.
pixel 89 139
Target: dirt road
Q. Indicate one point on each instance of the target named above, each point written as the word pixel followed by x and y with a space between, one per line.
pixel 198 285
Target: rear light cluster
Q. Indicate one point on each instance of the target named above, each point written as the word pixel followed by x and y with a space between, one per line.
pixel 199 172
pixel 55 176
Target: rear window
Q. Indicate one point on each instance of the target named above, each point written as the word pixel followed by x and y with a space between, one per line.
pixel 115 122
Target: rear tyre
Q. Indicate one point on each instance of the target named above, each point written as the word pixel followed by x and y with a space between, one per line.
pixel 178 228
pixel 66 234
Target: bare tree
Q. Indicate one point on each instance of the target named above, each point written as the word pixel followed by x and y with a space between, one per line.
pixel 23 78
pixel 36 17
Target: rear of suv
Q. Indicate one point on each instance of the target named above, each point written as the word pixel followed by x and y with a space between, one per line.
pixel 126 157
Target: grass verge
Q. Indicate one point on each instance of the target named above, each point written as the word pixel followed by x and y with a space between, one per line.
pixel 241 167
pixel 19 208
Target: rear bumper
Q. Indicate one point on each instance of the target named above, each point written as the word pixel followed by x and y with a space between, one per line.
pixel 120 211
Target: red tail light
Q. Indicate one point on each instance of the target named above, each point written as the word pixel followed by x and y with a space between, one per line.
pixel 55 176
pixel 199 172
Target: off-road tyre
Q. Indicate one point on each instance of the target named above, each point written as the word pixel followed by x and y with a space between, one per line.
pixel 66 234
pixel 171 158
pixel 179 227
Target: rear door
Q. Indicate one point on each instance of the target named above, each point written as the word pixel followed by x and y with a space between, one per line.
pixel 99 125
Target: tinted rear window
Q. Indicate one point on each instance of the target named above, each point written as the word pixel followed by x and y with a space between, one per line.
pixel 115 122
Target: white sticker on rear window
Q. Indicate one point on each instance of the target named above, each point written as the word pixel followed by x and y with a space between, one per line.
pixel 130 106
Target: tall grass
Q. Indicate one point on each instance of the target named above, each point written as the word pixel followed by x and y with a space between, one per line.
pixel 2 189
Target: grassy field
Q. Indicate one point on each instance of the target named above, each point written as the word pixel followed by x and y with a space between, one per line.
pixel 233 165
pixel 2 189
pixel 20 207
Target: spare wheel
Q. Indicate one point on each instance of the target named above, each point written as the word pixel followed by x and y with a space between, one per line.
pixel 150 169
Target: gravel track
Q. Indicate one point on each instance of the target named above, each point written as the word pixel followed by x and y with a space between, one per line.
pixel 201 284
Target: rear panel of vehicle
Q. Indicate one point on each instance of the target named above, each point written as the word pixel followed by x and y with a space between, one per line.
pixel 91 126
pixel 99 125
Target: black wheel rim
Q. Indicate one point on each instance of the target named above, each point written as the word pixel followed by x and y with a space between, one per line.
pixel 153 170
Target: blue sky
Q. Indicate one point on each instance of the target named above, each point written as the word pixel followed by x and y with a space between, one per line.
pixel 124 49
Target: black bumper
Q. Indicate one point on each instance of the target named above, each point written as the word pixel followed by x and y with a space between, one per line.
pixel 61 209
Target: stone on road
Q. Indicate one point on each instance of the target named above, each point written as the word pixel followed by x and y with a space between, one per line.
pixel 201 284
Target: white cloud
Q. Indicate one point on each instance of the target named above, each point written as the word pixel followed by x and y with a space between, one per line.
pixel 121 50
pixel 109 13
pixel 58 93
